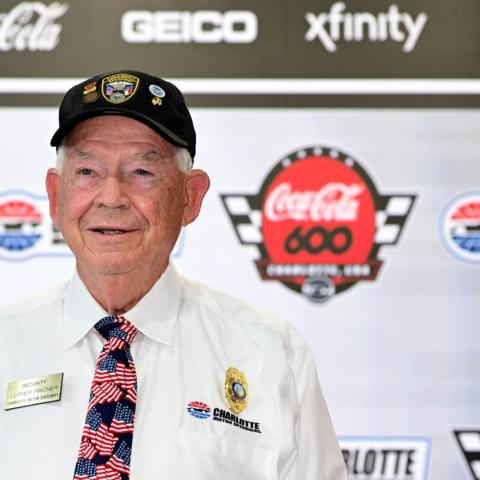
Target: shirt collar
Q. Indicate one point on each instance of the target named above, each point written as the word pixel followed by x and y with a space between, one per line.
pixel 155 315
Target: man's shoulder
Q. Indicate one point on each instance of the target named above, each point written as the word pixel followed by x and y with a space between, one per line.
pixel 34 304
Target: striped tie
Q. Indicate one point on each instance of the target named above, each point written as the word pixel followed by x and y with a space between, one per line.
pixel 108 432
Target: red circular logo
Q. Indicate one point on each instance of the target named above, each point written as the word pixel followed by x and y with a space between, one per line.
pixel 318 222
pixel 318 210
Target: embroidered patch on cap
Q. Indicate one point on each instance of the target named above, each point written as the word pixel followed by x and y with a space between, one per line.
pixel 118 88
pixel 90 93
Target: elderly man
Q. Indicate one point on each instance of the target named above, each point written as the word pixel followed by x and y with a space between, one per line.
pixel 130 371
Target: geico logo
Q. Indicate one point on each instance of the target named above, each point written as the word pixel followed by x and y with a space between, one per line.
pixel 31 26
pixel 358 26
pixel 203 26
pixel 317 239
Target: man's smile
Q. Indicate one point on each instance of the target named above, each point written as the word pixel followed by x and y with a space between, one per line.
pixel 112 230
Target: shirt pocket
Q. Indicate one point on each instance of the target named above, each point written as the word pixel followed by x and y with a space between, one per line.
pixel 207 456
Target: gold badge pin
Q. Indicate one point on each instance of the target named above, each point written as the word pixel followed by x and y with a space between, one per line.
pixel 33 391
pixel 236 390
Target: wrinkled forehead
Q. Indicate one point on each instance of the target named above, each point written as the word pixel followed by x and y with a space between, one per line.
pixel 117 131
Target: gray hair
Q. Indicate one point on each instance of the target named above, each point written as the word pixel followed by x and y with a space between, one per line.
pixel 182 157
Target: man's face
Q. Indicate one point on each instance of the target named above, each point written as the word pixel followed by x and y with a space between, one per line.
pixel 120 198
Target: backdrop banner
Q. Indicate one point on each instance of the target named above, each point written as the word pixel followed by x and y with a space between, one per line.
pixel 342 142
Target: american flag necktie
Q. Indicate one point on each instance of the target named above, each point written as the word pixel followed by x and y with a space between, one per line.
pixel 108 432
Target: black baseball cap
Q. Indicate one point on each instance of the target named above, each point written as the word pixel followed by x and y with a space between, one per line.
pixel 143 97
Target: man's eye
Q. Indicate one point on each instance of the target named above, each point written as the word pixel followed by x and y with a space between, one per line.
pixel 85 171
pixel 141 171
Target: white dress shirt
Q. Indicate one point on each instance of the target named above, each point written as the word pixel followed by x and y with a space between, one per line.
pixel 188 336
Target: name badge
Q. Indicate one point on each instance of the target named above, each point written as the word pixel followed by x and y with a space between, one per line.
pixel 33 391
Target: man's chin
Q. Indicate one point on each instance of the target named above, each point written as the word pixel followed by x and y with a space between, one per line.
pixel 114 270
pixel 110 264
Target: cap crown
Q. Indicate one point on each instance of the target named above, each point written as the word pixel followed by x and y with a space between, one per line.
pixel 148 99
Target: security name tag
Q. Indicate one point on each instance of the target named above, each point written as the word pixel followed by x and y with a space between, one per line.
pixel 32 391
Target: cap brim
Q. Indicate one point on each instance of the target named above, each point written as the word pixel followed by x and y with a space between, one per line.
pixel 158 127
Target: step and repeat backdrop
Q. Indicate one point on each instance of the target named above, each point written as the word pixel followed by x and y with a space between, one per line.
pixel 342 139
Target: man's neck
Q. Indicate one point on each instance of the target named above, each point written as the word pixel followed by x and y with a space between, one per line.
pixel 119 293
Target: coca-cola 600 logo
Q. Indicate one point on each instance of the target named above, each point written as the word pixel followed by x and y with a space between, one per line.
pixel 318 222
pixel 31 26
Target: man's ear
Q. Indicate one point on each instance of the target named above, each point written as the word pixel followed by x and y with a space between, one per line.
pixel 196 186
pixel 51 182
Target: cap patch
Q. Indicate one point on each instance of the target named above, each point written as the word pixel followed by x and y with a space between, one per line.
pixel 157 91
pixel 90 93
pixel 118 88
pixel 156 103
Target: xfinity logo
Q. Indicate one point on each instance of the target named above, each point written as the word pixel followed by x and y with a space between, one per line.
pixel 202 26
pixel 338 24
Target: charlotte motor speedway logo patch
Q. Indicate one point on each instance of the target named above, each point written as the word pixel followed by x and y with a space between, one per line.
pixel 318 222
pixel 198 410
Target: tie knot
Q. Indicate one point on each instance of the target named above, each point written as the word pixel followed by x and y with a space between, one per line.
pixel 118 328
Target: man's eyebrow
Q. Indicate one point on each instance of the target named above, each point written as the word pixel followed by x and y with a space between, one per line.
pixel 76 152
pixel 152 155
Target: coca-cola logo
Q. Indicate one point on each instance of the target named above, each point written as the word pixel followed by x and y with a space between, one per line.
pixel 318 222
pixel 31 26
pixel 335 201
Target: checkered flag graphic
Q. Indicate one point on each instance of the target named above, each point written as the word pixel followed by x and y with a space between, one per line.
pixel 245 212
pixel 392 211
pixel 469 443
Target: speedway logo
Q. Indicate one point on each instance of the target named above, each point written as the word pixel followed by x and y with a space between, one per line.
pixel 460 227
pixel 26 229
pixel 386 458
pixel 198 410
pixel 318 222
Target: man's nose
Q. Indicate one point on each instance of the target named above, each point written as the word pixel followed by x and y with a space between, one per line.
pixel 112 193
